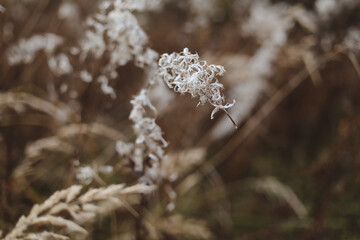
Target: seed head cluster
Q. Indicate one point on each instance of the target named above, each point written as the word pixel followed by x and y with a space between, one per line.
pixel 187 73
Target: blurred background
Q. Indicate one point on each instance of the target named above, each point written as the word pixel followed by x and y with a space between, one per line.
pixel 290 170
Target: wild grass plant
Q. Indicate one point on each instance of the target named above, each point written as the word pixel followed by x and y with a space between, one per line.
pixel 196 119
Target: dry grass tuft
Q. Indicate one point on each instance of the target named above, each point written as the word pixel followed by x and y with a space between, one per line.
pixel 81 209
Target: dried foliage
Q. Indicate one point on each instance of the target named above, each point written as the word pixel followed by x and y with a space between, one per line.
pixel 186 73
pixel 89 116
pixel 82 209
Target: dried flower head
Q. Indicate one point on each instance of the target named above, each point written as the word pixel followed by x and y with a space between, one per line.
pixel 186 73
pixel 138 5
pixel 26 49
pixel 60 64
pixel 149 143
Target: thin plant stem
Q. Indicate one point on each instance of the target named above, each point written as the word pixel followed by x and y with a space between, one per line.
pixel 232 120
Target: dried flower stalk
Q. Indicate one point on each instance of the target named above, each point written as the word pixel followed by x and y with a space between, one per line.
pixel 186 73
pixel 82 208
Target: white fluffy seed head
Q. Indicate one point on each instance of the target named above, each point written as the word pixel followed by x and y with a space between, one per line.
pixel 187 73
pixel 149 141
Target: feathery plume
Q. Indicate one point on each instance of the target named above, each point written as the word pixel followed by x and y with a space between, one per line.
pixel 186 73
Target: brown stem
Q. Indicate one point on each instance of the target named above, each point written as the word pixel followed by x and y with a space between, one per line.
pixel 232 120
pixel 138 227
pixel 139 221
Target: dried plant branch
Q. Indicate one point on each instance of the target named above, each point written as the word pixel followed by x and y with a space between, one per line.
pixel 83 208
pixel 149 144
pixel 276 189
pixel 186 73
pixel 99 129
pixel 35 150
pixel 60 112
pixel 26 49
